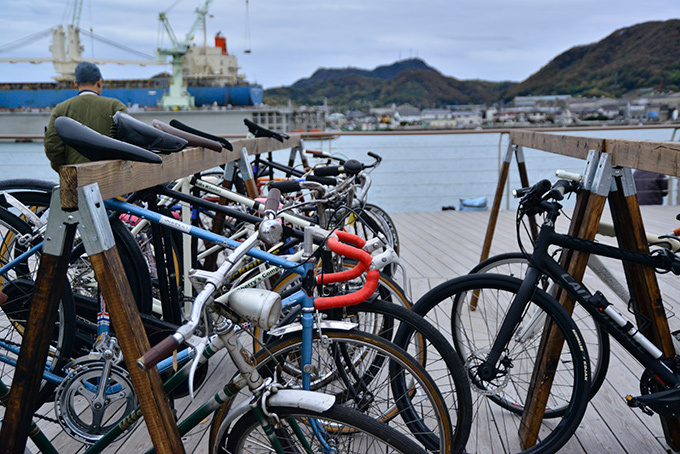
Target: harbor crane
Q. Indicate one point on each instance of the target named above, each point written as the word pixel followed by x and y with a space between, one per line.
pixel 66 49
pixel 178 96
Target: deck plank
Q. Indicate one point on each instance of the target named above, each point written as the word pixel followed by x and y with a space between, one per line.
pixel 609 425
pixel 437 246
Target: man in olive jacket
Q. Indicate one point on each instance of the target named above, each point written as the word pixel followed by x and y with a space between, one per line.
pixel 89 108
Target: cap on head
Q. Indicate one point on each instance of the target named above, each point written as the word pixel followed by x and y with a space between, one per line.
pixel 87 72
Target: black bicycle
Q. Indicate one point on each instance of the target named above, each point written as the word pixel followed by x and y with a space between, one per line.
pixel 498 323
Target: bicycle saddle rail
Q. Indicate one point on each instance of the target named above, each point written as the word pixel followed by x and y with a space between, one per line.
pixel 131 130
pixel 98 147
pixel 192 139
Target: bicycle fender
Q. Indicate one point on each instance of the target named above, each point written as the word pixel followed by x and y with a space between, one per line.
pixel 325 324
pixel 296 398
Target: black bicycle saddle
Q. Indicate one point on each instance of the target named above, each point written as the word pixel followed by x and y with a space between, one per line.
pixel 259 131
pixel 98 147
pixel 193 140
pixel 179 125
pixel 131 130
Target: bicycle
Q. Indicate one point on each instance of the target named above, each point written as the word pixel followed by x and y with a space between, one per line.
pixel 598 275
pixel 483 347
pixel 261 309
pixel 309 327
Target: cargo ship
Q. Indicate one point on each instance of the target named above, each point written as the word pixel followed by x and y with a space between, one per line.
pixel 208 76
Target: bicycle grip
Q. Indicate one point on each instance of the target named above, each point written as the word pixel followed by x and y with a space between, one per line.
pixel 272 202
pixel 326 181
pixel 285 186
pixel 317 153
pixel 327 171
pixel 158 353
pixel 561 188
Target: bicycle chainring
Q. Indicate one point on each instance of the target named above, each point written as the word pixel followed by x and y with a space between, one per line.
pixel 85 413
pixel 650 385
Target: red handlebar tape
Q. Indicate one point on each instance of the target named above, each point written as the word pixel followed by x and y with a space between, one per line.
pixel 364 258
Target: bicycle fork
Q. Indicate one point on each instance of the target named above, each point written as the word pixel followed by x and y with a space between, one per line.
pixel 489 370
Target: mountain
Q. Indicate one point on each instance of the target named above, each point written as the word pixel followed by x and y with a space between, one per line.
pixel 407 81
pixel 645 55
pixel 642 56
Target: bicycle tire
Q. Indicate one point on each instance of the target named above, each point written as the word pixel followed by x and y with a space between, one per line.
pixel 597 339
pixel 136 269
pixel 424 342
pixel 494 428
pixel 18 285
pixel 388 225
pixel 364 381
pixel 349 426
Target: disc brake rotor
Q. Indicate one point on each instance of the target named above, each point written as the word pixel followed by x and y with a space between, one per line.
pixel 484 387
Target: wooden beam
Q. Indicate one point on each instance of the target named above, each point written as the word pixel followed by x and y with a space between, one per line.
pixel 574 146
pixel 153 401
pixel 34 348
pixel 660 157
pixel 644 288
pixel 116 178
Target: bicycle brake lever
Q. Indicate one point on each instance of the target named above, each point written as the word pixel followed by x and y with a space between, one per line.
pixel 195 363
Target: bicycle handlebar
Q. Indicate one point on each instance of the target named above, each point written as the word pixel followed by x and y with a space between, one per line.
pixel 158 352
pixel 271 206
pixel 337 244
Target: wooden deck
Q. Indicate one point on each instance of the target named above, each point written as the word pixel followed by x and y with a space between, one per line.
pixel 437 246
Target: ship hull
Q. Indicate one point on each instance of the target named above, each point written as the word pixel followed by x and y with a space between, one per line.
pixel 40 96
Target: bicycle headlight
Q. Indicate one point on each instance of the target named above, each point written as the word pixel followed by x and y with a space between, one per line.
pixel 271 231
pixel 257 306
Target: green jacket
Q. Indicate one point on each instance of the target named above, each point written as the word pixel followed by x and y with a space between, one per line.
pixel 91 110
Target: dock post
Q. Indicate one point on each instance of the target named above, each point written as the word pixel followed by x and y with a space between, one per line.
pixel 643 286
pixel 584 224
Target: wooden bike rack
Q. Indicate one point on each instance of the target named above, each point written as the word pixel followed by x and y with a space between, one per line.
pixel 77 204
pixel 607 178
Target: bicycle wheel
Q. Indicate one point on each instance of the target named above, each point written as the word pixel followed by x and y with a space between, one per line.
pixel 387 224
pixel 597 340
pixel 18 285
pixel 370 374
pixel 495 423
pixel 347 430
pixel 428 346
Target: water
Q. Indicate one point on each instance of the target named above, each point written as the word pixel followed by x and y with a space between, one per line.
pixel 418 172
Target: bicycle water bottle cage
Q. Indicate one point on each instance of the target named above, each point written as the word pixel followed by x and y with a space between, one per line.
pixel 131 130
pixel 98 147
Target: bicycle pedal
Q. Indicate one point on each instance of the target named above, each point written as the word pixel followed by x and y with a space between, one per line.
pixel 665 403
pixel 632 402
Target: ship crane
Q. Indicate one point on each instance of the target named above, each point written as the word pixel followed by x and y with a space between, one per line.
pixel 178 96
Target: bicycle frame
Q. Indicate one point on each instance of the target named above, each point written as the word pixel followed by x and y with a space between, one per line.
pixel 304 269
pixel 597 306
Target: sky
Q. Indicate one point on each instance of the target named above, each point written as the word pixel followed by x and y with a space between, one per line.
pixel 493 40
